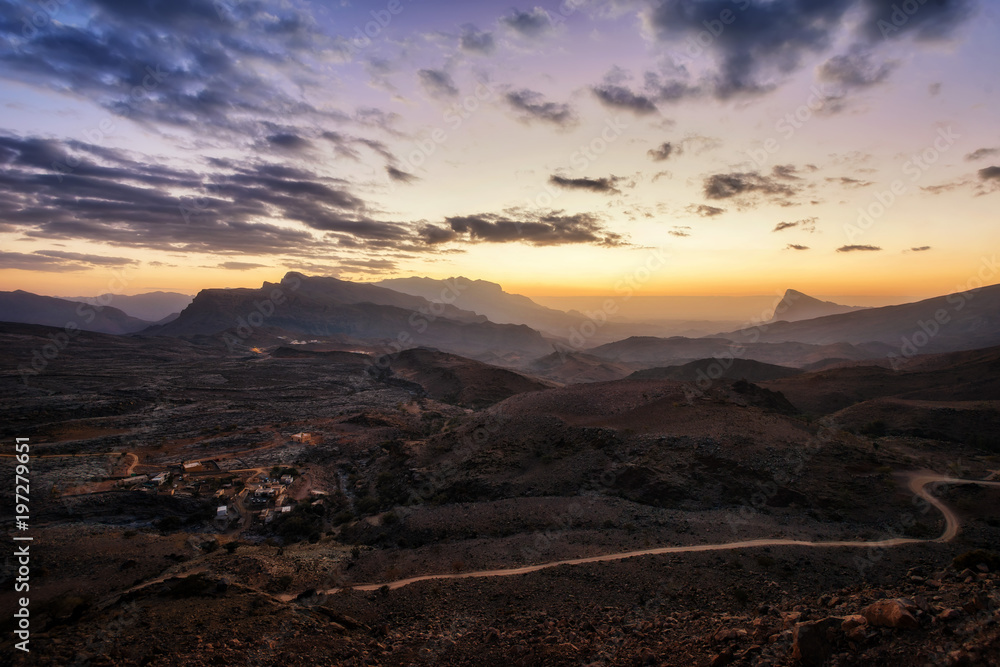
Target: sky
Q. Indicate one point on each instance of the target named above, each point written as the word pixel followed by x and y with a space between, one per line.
pixel 683 147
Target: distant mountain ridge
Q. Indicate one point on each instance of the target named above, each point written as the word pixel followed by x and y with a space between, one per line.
pixel 27 308
pixel 796 306
pixel 323 306
pixel 488 299
pixel 151 306
pixel 950 323
pixel 731 369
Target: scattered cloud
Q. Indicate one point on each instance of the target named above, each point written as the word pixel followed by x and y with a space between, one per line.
pixel 854 70
pixel 944 187
pixel 981 153
pixel 858 248
pixel 473 40
pixel 806 225
pixel 735 184
pixel 54 261
pixel 241 266
pixel 923 248
pixel 705 211
pixel 549 229
pixel 532 106
pixel 437 83
pixel 849 182
pixel 663 152
pixel 531 24
pixel 399 175
pixel 606 185
pixel 990 173
pixel 786 172
pixel 619 97
pixel 796 246
pixel 290 142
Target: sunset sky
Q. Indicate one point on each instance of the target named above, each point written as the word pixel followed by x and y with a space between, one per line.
pixel 552 147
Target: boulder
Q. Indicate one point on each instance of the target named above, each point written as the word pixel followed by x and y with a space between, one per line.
pixel 813 641
pixel 891 614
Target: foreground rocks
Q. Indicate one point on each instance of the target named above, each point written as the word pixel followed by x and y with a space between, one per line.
pixel 546 620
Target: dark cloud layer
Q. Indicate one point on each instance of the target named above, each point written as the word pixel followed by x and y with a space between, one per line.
pixel 755 41
pixel 183 64
pixel 56 261
pixel 553 228
pixel 106 196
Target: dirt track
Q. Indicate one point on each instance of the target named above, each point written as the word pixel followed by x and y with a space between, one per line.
pixel 918 483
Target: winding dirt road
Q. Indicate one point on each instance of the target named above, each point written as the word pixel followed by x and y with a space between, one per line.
pixel 918 484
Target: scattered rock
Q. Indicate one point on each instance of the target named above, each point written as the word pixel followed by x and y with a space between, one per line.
pixel 950 615
pixel 812 641
pixel 891 614
pixel 723 658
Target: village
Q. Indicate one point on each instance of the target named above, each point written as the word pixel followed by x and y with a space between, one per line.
pixel 243 497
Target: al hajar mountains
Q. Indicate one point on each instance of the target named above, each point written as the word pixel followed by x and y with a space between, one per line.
pixel 479 320
pixel 440 472
pixel 715 380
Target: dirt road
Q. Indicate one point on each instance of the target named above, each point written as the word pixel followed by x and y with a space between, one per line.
pixel 918 483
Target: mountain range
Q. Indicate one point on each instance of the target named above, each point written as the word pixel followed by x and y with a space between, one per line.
pixel 151 306
pixel 27 308
pixel 479 320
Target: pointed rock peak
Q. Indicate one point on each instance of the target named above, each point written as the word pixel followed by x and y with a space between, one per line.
pixel 796 305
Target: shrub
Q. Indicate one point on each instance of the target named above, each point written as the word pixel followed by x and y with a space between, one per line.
pixel 282 583
pixel 764 561
pixel 875 429
pixel 970 559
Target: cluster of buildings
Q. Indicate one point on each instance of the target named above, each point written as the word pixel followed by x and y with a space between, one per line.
pixel 272 497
